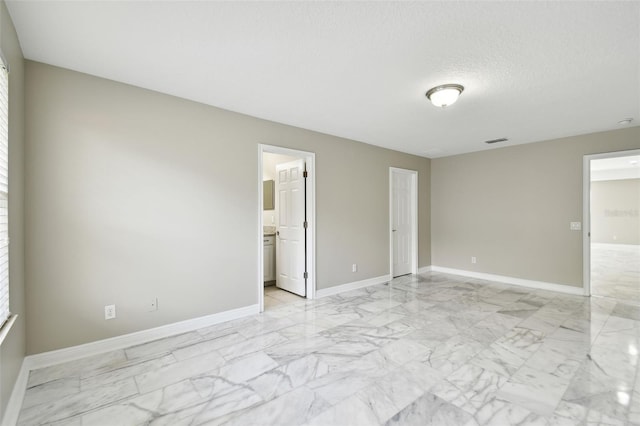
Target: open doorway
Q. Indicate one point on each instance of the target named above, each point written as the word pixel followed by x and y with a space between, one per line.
pixel 612 225
pixel 286 255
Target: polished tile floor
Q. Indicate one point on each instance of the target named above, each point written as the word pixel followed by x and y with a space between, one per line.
pixel 274 297
pixel 432 349
pixel 615 271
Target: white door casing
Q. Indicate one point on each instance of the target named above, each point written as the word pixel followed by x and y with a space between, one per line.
pixel 310 164
pixel 403 220
pixel 290 231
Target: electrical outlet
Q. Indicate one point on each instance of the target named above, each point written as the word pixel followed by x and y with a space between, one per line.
pixel 575 226
pixel 354 267
pixel 109 312
pixel 152 304
pixel 473 259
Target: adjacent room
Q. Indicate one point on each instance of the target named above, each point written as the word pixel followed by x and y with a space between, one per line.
pixel 319 213
pixel 615 227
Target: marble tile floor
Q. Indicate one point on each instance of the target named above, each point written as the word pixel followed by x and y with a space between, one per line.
pixel 615 271
pixel 274 297
pixel 431 349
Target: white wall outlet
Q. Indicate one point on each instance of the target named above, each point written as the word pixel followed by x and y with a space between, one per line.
pixel 109 312
pixel 152 304
pixel 575 226
pixel 473 259
pixel 354 267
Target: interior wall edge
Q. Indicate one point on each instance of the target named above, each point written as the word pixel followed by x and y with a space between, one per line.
pixel 13 348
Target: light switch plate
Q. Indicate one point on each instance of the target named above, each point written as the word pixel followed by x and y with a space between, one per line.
pixel 152 304
pixel 575 226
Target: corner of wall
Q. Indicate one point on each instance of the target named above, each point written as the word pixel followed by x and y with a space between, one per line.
pixel 13 349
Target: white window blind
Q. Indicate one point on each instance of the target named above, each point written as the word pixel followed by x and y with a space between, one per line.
pixel 4 193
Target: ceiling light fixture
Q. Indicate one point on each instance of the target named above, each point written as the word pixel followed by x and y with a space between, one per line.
pixel 625 121
pixel 444 95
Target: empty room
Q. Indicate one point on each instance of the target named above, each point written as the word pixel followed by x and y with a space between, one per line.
pixel 319 213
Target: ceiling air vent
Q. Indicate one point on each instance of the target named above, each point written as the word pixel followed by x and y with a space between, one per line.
pixel 496 140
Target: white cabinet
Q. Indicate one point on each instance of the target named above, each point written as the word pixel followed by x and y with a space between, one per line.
pixel 269 257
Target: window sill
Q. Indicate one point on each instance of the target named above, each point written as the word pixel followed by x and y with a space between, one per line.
pixel 4 331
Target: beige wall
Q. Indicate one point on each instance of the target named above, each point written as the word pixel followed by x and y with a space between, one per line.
pixel 132 194
pixel 614 211
pixel 511 207
pixel 12 351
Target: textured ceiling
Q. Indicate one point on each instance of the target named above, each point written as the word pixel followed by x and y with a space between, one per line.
pixel 531 70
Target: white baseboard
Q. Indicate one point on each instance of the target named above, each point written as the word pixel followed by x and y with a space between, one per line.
pixel 324 292
pixel 424 269
pixel 46 359
pixel 540 285
pixel 12 412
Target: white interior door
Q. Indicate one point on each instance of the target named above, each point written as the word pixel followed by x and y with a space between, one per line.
pixel 290 235
pixel 402 223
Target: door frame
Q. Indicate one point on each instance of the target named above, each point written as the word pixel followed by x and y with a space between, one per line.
pixel 586 210
pixel 310 163
pixel 414 219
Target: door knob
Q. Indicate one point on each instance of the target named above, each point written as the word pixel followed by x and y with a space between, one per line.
pixel 277 232
pixel 393 230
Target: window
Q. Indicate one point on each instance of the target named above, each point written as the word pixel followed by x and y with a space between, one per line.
pixel 4 192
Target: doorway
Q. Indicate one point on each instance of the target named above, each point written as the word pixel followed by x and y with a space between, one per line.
pixel 403 222
pixel 612 225
pixel 286 225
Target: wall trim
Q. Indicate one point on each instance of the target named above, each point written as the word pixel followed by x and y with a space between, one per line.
pixel 12 412
pixel 424 269
pixel 539 285
pixel 4 331
pixel 324 292
pixel 46 359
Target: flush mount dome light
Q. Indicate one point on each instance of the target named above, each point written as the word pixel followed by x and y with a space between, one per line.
pixel 444 95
